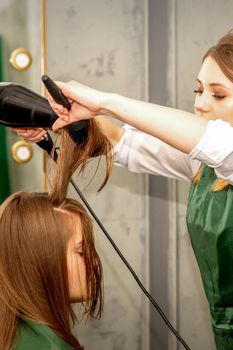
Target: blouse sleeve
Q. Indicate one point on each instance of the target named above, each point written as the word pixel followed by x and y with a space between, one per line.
pixel 142 153
pixel 216 149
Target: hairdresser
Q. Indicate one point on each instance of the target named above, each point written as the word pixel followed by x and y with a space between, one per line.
pixel 194 147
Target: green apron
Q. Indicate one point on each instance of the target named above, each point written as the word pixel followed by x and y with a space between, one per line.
pixel 210 225
pixel 35 336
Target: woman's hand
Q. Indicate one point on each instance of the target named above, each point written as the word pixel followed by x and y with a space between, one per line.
pixel 30 134
pixel 86 103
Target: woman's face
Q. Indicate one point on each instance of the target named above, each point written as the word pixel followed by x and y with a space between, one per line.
pixel 76 265
pixel 214 93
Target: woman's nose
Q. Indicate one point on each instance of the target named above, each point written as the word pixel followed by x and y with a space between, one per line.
pixel 202 104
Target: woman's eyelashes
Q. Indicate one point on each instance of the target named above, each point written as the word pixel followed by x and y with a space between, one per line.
pixel 198 91
pixel 216 95
pixel 79 249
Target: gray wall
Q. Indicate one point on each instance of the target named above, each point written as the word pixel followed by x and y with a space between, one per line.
pixel 158 51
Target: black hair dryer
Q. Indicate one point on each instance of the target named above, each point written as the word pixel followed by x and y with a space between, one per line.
pixel 22 108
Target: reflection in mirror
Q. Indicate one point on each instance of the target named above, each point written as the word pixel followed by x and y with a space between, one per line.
pixel 20 28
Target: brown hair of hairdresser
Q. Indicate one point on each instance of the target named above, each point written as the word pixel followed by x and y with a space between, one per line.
pixel 34 231
pixel 222 53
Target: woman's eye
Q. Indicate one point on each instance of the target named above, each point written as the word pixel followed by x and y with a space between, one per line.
pixel 79 251
pixel 198 91
pixel 218 96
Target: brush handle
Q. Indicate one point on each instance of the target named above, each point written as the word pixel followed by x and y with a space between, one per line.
pixel 77 130
pixel 55 92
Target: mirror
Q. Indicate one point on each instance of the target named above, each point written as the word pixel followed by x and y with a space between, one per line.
pixel 21 59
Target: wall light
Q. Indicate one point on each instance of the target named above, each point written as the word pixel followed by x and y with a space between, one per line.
pixel 22 151
pixel 21 59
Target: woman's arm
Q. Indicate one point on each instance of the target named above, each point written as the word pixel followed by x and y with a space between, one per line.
pixel 143 153
pixel 179 129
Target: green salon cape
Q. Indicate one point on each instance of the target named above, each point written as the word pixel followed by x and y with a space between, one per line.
pixel 210 225
pixel 35 336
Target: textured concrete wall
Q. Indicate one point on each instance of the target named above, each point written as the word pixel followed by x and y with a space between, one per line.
pixel 101 43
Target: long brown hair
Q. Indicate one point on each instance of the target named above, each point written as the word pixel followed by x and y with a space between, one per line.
pixel 33 268
pixel 222 53
pixel 74 156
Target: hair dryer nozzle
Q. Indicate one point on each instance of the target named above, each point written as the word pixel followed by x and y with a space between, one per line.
pixel 21 107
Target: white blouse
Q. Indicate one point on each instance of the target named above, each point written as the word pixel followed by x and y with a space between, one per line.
pixel 142 153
